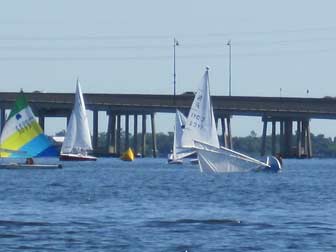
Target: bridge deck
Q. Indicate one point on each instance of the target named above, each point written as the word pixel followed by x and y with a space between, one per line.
pixel 57 104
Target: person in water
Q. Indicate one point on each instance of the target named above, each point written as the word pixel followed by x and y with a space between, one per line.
pixel 29 161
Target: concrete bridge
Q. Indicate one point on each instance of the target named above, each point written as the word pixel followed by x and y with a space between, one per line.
pixel 280 111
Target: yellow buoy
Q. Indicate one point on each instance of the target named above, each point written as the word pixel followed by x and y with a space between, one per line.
pixel 128 155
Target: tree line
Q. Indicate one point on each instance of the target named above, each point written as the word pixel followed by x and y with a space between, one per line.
pixel 324 147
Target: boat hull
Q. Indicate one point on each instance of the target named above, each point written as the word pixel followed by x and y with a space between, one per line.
pixel 18 166
pixel 175 161
pixel 76 157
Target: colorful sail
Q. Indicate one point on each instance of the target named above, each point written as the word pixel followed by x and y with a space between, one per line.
pixel 23 135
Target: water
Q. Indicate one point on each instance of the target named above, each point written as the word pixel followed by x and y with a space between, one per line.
pixel 147 205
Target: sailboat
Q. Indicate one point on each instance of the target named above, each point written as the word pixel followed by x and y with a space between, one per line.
pixel 200 133
pixel 23 137
pixel 176 157
pixel 77 140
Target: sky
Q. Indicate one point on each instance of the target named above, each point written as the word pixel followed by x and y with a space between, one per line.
pixel 282 48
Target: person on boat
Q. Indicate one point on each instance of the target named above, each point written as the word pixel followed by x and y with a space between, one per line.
pixel 29 161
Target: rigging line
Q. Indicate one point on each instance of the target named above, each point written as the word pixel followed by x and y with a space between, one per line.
pixel 169 36
pixel 167 47
pixel 166 57
pixel 272 32
pixel 80 37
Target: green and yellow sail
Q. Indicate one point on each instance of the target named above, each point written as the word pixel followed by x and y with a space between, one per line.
pixel 23 135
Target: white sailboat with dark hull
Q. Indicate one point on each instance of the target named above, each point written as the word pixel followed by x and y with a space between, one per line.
pixel 200 133
pixel 77 141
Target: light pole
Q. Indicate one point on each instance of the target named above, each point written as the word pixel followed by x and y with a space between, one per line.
pixel 176 43
pixel 229 44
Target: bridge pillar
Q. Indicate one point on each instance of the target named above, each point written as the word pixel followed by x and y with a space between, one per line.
pixel 273 137
pixel 41 120
pixel 118 140
pixel 110 138
pixel 282 148
pixel 298 138
pixel 135 134
pixel 143 136
pixel 153 135
pixel 2 118
pixel 288 138
pixel 263 140
pixel 228 122
pixel 126 131
pixel 309 144
pixel 223 131
pixel 95 130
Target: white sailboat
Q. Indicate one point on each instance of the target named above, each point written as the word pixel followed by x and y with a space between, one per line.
pixel 200 133
pixel 77 141
pixel 176 157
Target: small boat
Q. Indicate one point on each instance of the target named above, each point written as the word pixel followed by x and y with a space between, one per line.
pixel 77 140
pixel 15 166
pixel 128 155
pixel 22 138
pixel 178 153
pixel 201 133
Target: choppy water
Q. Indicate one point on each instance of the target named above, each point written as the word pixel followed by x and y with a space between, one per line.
pixel 148 205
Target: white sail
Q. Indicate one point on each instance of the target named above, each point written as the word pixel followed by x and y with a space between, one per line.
pixel 200 125
pixel 178 151
pixel 225 160
pixel 77 138
pixel 201 133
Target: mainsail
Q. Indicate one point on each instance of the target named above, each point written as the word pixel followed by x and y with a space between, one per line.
pixel 178 151
pixel 22 136
pixel 200 125
pixel 201 133
pixel 77 138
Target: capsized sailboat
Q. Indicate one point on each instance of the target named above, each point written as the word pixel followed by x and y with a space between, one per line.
pixel 176 157
pixel 77 141
pixel 22 137
pixel 200 133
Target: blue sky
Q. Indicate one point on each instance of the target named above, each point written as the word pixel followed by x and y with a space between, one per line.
pixel 127 47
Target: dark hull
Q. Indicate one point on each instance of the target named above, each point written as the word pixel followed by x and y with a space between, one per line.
pixel 74 157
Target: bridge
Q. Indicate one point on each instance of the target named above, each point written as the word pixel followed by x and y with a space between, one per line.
pixel 280 111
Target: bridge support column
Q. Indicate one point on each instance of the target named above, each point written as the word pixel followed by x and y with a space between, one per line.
pixel 41 119
pixel 110 138
pixel 127 132
pixel 153 135
pixel 223 131
pixel 288 138
pixel 2 118
pixel 298 138
pixel 143 136
pixel 118 140
pixel 263 140
pixel 309 144
pixel 95 131
pixel 228 122
pixel 135 134
pixel 282 148
pixel 273 137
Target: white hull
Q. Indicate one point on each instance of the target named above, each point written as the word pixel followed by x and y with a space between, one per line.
pixel 15 166
pixel 175 161
pixel 76 157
